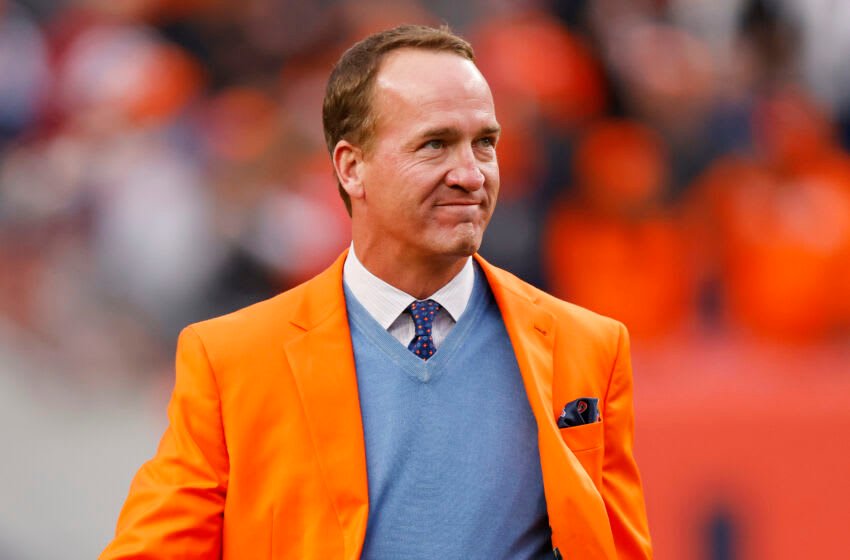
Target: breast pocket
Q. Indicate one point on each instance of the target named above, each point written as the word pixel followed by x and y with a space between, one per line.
pixel 587 442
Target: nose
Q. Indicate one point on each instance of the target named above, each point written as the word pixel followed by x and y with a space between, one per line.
pixel 465 172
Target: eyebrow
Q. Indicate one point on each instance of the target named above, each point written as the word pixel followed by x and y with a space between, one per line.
pixel 452 131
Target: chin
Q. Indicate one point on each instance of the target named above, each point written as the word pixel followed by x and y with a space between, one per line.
pixel 463 241
pixel 466 245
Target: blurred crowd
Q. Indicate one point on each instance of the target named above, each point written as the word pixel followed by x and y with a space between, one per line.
pixel 680 165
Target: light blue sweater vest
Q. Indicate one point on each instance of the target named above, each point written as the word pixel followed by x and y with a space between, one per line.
pixel 451 444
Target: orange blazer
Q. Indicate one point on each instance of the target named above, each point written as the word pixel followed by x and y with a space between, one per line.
pixel 264 455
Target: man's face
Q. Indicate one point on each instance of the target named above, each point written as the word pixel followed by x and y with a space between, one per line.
pixel 430 175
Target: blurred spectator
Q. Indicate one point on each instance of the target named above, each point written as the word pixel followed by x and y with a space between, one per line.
pixel 125 72
pixel 779 225
pixel 670 78
pixel 615 247
pixel 25 67
pixel 530 58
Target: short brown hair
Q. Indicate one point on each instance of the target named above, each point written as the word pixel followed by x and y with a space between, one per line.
pixel 347 108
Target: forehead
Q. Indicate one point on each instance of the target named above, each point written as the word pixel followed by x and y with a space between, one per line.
pixel 416 86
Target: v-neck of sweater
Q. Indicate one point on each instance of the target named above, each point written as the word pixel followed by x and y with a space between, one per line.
pixel 416 368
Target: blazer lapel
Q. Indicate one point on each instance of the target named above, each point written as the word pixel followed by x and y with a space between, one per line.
pixel 577 514
pixel 322 363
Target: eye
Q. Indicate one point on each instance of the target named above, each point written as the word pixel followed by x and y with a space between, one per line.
pixel 487 142
pixel 434 144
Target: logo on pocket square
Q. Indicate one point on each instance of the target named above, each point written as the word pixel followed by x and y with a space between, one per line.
pixel 581 411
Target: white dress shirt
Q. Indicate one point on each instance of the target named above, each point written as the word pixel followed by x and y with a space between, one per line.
pixel 386 303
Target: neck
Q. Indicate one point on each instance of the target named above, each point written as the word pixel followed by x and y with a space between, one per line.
pixel 415 275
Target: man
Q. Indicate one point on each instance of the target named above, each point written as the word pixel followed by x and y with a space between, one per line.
pixel 406 402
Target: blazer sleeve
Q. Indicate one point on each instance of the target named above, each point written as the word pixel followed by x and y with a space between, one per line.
pixel 621 486
pixel 176 500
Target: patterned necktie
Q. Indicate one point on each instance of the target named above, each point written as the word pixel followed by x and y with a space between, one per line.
pixel 423 316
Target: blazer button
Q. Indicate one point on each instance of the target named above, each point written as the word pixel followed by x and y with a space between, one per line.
pixel 557 554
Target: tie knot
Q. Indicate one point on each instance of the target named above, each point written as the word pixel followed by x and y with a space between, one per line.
pixel 423 312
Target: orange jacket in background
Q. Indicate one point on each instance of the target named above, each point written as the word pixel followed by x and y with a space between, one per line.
pixel 264 454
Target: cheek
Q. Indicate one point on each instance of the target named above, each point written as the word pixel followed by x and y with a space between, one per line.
pixel 491 176
pixel 491 172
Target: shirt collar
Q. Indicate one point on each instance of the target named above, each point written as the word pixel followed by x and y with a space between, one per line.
pixel 385 302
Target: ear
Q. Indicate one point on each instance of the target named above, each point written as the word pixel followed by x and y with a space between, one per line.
pixel 348 163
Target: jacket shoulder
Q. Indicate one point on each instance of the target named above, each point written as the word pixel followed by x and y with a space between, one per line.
pixel 577 320
pixel 280 318
pixel 259 332
pixel 580 318
pixel 273 313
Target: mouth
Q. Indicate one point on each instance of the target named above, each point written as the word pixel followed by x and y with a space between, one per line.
pixel 460 203
pixel 460 210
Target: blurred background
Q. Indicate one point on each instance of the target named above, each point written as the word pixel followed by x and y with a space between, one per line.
pixel 680 165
